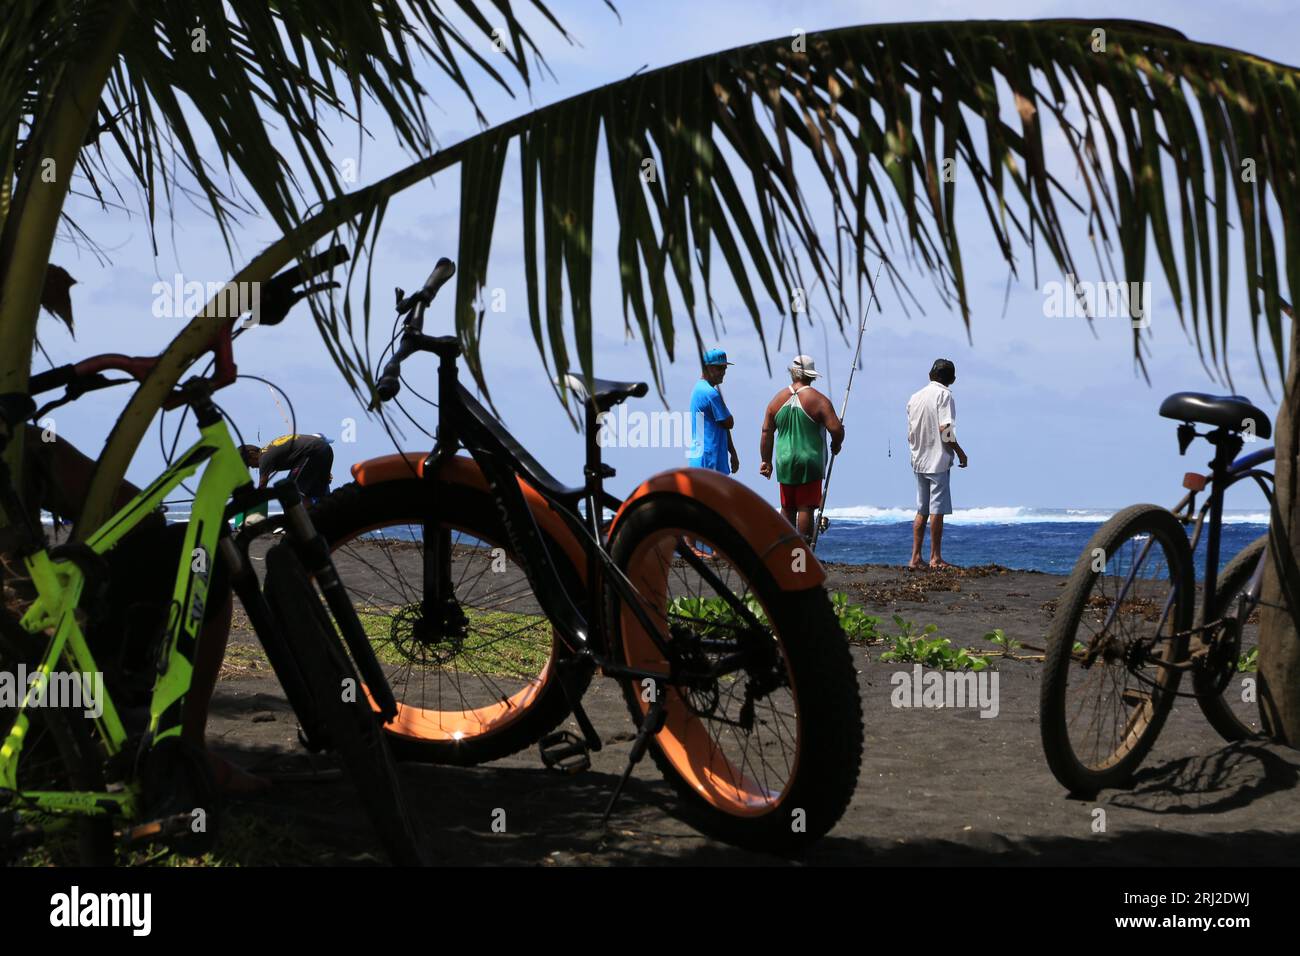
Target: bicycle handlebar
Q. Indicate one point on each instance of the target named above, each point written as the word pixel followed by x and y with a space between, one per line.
pixel 280 294
pixel 390 380
pixel 443 271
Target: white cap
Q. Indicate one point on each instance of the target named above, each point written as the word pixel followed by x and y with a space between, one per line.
pixel 804 366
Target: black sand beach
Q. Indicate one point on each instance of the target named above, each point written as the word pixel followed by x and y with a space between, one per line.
pixel 937 786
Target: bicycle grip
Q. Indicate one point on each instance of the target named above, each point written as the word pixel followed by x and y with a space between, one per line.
pixel 442 272
pixel 389 383
pixel 390 380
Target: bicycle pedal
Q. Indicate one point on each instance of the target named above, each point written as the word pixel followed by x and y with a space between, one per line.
pixel 565 752
pixel 156 831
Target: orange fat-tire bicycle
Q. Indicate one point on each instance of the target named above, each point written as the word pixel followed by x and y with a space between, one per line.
pixel 493 593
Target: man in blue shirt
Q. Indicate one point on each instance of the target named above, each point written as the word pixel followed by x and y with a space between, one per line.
pixel 711 421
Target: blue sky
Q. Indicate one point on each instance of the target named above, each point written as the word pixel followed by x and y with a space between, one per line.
pixel 1051 411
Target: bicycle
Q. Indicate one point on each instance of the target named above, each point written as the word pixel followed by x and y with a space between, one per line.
pixel 1123 629
pixel 122 785
pixel 494 593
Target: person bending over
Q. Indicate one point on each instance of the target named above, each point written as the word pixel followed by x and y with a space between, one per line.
pixel 307 458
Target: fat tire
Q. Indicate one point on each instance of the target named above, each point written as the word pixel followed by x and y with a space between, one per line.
pixel 355 508
pixel 818 662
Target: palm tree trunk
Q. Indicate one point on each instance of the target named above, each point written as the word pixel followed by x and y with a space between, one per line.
pixel 1279 645
pixel 33 218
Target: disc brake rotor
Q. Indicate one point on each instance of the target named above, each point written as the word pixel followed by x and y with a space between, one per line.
pixel 417 639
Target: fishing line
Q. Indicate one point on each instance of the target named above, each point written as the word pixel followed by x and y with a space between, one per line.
pixel 293 414
pixel 821 524
pixel 280 409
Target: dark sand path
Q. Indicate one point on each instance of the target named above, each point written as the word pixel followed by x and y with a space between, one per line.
pixel 937 786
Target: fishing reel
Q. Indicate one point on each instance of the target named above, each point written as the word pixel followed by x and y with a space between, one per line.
pixel 822 524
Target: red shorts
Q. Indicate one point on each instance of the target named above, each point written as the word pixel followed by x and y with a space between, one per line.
pixel 807 495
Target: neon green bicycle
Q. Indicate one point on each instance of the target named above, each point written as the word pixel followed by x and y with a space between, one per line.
pixel 72 760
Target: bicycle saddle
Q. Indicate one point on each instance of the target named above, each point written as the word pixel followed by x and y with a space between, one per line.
pixel 607 393
pixel 1223 411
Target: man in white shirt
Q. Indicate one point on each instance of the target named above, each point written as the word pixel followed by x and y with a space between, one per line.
pixel 931 435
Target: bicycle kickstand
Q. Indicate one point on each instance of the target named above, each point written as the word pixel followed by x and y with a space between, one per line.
pixel 650 725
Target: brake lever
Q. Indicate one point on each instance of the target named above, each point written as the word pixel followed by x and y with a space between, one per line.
pixel 282 303
pixel 79 387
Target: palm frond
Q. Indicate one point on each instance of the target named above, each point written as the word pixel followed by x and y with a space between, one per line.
pixel 870 115
pixel 151 77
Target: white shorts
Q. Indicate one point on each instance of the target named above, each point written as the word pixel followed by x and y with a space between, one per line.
pixel 933 493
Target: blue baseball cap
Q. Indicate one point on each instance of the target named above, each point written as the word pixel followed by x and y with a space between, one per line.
pixel 716 357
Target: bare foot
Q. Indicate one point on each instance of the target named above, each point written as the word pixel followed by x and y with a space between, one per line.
pixel 916 565
pixel 940 564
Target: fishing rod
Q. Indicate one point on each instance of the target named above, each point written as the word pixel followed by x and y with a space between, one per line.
pixel 822 523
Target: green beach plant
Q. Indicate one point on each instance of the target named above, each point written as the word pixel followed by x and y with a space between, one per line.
pixel 1009 645
pixel 858 625
pixel 928 649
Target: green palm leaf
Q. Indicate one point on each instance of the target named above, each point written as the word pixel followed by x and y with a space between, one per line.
pixel 737 140
pixel 871 114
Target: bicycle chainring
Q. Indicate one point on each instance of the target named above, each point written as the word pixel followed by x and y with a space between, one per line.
pixel 1220 661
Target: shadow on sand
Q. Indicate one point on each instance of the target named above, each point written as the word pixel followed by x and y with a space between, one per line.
pixel 553 819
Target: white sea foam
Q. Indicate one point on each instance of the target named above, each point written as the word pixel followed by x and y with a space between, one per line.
pixel 1006 515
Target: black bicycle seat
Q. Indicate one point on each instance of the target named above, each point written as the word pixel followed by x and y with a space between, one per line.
pixel 1234 412
pixel 607 393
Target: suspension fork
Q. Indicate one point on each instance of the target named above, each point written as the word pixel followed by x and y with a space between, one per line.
pixel 438 598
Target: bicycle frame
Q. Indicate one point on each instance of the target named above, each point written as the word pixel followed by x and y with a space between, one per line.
pixel 1223 476
pixel 463 422
pixel 1241 469
pixel 59 583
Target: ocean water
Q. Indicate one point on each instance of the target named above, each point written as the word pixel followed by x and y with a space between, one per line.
pixel 1026 539
pixel 1029 539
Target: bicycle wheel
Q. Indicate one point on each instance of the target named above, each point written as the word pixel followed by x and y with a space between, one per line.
pixel 470 693
pixel 767 754
pixel 351 724
pixel 1219 696
pixel 59 753
pixel 1129 599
